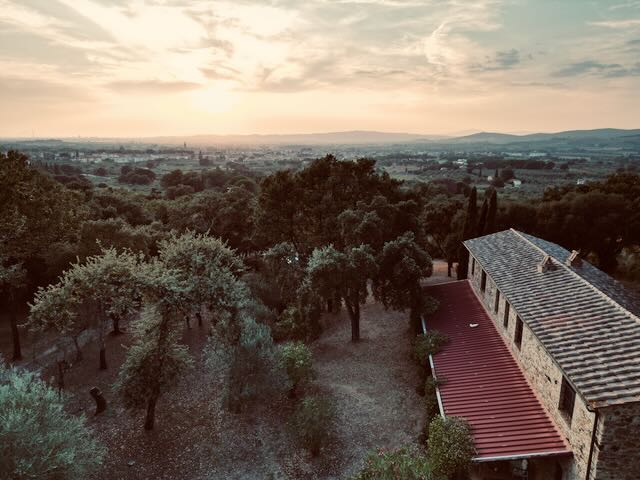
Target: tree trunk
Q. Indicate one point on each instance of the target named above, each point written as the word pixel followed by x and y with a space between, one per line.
pixel 61 367
pixel 116 326
pixel 101 403
pixel 78 351
pixel 414 318
pixel 199 317
pixel 15 334
pixel 149 420
pixel 329 305
pixel 449 267
pixel 354 315
pixel 103 357
pixel 187 319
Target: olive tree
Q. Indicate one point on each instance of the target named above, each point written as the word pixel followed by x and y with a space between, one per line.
pixel 38 438
pixel 402 264
pixel 192 271
pixel 103 290
pixel 332 274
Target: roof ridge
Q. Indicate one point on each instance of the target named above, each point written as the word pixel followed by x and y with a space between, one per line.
pixel 581 278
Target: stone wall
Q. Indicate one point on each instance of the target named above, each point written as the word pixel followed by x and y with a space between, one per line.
pixel 616 454
pixel 543 374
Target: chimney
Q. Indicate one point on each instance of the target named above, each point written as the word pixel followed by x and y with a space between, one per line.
pixel 574 259
pixel 546 264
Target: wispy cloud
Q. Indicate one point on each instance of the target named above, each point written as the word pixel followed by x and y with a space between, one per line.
pixel 618 24
pixel 593 67
pixel 299 61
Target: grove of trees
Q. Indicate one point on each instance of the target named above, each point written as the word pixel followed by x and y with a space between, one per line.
pixel 255 261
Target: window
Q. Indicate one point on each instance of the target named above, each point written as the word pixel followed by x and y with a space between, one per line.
pixel 496 305
pixel 483 282
pixel 567 399
pixel 518 336
pixel 473 266
pixel 505 320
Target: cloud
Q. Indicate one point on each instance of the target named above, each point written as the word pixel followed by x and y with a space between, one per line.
pixel 151 86
pixel 502 60
pixel 617 24
pixel 592 67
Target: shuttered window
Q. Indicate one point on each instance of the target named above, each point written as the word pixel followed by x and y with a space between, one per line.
pixel 518 336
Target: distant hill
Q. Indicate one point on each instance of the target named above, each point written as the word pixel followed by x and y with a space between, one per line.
pixel 332 138
pixel 601 134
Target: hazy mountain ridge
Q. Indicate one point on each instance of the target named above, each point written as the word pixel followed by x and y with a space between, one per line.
pixel 603 137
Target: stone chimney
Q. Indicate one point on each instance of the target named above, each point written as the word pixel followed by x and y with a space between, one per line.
pixel 574 259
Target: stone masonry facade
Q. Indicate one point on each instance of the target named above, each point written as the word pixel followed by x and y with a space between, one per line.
pixel 616 454
pixel 616 451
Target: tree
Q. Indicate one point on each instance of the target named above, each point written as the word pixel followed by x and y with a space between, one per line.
pixel 450 446
pixel 251 364
pixel 192 271
pixel 57 308
pixel 103 290
pixel 208 270
pixel 284 269
pixel 298 363
pixel 332 274
pixel 442 220
pixel 38 438
pixel 154 362
pixel 312 422
pixel 405 463
pixel 482 221
pixel 401 266
pixel 468 232
pixel 303 208
pixel 491 214
pixel 35 212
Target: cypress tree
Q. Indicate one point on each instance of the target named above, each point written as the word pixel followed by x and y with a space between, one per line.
pixel 483 218
pixel 468 232
pixel 491 215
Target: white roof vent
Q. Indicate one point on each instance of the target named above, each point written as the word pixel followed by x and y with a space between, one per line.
pixel 574 259
pixel 546 264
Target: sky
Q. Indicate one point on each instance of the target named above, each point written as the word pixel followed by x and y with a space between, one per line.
pixel 131 68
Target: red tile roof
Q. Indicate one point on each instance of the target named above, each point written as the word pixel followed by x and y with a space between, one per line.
pixel 484 384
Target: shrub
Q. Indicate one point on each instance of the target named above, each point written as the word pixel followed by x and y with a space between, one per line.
pixel 450 446
pixel 312 422
pixel 428 344
pixel 298 362
pixel 291 325
pixel 254 372
pixel 431 399
pixel 38 439
pixel 401 464
pixel 431 404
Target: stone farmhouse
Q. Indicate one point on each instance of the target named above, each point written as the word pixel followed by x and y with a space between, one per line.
pixel 543 361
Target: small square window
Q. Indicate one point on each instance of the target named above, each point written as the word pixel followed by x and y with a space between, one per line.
pixel 518 336
pixel 483 282
pixel 567 399
pixel 496 305
pixel 505 319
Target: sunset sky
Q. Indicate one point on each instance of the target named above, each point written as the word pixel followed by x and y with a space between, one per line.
pixel 179 67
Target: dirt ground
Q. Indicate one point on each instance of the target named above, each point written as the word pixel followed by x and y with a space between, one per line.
pixel 372 384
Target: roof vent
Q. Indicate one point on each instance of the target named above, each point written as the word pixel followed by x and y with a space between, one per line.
pixel 546 264
pixel 574 259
